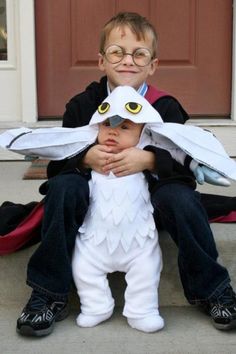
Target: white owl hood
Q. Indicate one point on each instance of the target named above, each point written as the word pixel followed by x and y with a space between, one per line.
pixel 123 103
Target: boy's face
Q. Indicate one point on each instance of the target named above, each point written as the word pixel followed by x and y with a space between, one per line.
pixel 126 72
pixel 123 136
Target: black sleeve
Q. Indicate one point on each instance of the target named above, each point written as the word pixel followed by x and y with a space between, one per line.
pixel 167 171
pixel 73 117
pixel 79 111
pixel 56 167
pixel 163 161
pixel 171 110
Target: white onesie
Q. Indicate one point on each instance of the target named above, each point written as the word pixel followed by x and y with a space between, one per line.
pixel 118 234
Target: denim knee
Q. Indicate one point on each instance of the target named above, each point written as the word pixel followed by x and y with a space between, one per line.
pixel 69 185
pixel 68 193
pixel 177 198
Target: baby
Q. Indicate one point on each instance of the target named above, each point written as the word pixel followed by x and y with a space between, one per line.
pixel 118 234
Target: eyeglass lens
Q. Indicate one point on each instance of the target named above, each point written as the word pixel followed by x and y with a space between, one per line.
pixel 141 56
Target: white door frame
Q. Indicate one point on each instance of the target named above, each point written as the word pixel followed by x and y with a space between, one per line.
pixel 29 111
pixel 18 72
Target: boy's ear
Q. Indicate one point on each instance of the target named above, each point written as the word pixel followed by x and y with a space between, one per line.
pixel 101 62
pixel 153 67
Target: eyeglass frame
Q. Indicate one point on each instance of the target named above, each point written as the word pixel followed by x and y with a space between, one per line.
pixel 125 53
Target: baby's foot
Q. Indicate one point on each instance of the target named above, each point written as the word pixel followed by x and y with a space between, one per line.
pixel 147 324
pixel 91 321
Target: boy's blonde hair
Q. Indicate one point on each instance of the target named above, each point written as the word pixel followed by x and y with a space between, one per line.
pixel 137 24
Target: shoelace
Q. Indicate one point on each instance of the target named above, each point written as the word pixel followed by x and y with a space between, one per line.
pixel 228 297
pixel 37 301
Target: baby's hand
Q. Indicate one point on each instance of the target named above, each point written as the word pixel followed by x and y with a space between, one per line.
pixel 96 157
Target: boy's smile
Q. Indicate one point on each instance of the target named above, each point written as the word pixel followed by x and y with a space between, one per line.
pixel 126 72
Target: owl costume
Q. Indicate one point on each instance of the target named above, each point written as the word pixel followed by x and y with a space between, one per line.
pixel 118 232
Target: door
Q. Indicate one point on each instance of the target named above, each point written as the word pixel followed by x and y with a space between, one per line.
pixel 194 50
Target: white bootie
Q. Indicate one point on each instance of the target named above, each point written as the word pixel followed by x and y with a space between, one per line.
pixel 147 324
pixel 91 321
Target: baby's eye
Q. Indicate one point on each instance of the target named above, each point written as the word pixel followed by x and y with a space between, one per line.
pixel 124 126
pixel 103 108
pixel 133 107
pixel 106 123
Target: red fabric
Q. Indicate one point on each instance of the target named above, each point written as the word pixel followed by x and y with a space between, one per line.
pixel 24 232
pixel 231 217
pixel 152 94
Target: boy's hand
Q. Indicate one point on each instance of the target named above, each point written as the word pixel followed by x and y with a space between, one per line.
pixel 130 161
pixel 208 175
pixel 96 157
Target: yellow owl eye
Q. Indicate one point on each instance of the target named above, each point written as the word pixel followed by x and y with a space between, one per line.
pixel 133 107
pixel 103 108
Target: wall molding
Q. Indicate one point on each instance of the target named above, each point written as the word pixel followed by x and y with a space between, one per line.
pixel 29 111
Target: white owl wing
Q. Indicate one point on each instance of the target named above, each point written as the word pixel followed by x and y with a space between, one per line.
pixel 198 143
pixel 50 143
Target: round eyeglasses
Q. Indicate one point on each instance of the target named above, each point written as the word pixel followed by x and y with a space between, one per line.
pixel 141 56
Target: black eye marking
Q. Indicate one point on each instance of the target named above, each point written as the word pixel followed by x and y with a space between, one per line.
pixel 103 108
pixel 133 107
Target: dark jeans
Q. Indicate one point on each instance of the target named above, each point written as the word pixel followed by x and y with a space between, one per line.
pixel 66 203
pixel 181 213
pixel 177 206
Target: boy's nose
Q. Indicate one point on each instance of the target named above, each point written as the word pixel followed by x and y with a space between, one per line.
pixel 127 59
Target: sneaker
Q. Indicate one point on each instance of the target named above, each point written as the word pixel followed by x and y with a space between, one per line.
pixel 223 310
pixel 40 314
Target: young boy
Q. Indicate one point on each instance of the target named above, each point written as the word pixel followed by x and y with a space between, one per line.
pixel 127 56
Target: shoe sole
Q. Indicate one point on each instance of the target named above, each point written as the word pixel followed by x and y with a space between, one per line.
pixel 225 327
pixel 30 332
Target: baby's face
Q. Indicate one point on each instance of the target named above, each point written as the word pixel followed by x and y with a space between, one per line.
pixel 123 136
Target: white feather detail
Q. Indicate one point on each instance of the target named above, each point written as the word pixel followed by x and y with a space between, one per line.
pixel 120 211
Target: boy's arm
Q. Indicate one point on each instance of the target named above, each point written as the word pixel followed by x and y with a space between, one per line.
pixel 171 111
pixel 71 119
pixel 56 167
pixel 164 164
pixel 79 111
pixel 74 116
